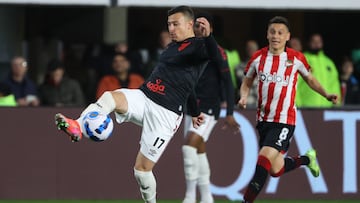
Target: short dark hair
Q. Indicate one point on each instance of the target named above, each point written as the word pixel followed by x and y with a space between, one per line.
pixel 280 20
pixel 186 10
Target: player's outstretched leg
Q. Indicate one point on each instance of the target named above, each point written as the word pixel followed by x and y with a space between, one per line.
pixel 313 166
pixel 105 104
pixel 69 126
pixel 309 160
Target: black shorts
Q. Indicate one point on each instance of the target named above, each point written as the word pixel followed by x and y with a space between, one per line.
pixel 276 135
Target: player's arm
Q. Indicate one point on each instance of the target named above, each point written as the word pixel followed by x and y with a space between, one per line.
pixel 317 87
pixel 212 51
pixel 228 89
pixel 244 90
pixel 194 110
pixel 192 105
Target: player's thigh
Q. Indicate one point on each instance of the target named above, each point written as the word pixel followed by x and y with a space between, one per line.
pixel 159 126
pixel 136 106
pixel 275 135
pixel 205 129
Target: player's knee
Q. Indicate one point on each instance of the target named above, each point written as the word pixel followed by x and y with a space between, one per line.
pixel 190 162
pixel 147 184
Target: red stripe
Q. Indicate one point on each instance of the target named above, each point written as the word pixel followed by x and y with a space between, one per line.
pixel 278 174
pixel 270 95
pixel 264 162
pixel 260 85
pixel 291 114
pixel 280 104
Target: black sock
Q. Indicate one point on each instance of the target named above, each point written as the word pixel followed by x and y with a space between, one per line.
pixel 292 163
pixel 257 182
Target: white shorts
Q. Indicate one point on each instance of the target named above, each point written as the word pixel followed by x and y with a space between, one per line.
pixel 158 123
pixel 204 130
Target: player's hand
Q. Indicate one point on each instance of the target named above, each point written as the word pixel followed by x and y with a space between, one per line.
pixel 198 121
pixel 333 98
pixel 204 26
pixel 231 123
pixel 242 103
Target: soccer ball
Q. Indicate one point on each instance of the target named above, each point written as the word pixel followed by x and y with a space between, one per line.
pixel 97 126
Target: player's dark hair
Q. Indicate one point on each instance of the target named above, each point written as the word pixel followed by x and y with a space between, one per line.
pixel 186 10
pixel 207 16
pixel 280 20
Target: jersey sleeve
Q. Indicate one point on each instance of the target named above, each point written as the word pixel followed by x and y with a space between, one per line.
pixel 228 87
pixel 303 68
pixel 212 51
pixel 192 105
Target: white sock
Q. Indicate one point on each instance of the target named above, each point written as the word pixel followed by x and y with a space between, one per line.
pixel 204 179
pixel 191 171
pixel 105 104
pixel 147 183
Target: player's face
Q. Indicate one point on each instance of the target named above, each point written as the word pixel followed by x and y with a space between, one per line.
pixel 277 35
pixel 180 27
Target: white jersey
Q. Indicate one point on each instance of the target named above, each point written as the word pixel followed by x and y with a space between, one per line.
pixel 277 76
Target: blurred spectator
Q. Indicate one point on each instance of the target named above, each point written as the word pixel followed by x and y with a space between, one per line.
pixel 136 59
pixel 350 85
pixel 164 40
pixel 324 70
pixel 121 77
pixel 58 89
pixel 20 84
pixel 250 48
pixel 6 97
pixel 295 43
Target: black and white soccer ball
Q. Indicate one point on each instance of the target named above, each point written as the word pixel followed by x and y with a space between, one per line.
pixel 97 126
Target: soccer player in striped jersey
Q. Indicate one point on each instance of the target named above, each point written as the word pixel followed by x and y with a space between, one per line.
pixel 276 67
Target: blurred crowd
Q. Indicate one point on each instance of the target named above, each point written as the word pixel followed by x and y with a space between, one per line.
pixel 128 68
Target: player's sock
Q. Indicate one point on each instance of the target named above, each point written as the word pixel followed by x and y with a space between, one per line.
pixel 292 163
pixel 191 169
pixel 204 179
pixel 105 104
pixel 263 166
pixel 147 183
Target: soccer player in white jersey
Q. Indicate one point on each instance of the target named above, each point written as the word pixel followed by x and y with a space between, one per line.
pixel 276 67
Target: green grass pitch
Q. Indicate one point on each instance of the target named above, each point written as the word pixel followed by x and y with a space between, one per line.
pixel 174 201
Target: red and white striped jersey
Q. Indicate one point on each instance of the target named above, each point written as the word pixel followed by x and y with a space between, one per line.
pixel 277 76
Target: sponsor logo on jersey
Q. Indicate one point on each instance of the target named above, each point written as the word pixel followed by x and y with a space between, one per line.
pixel 289 63
pixel 274 78
pixel 156 87
pixel 183 46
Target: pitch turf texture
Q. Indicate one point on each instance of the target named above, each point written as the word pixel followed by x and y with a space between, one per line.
pixel 174 201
